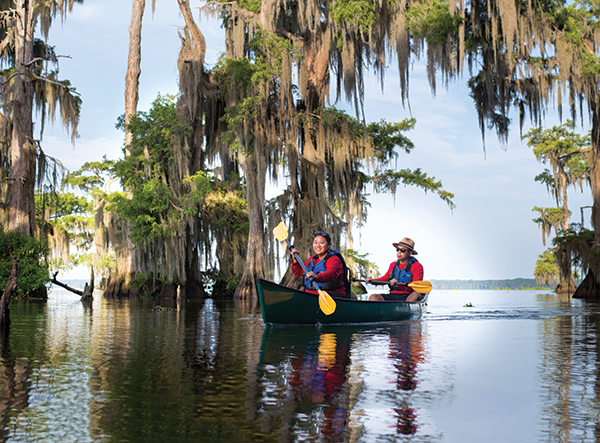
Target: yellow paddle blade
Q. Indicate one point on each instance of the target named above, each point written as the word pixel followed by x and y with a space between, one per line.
pixel 280 232
pixel 422 287
pixel 326 303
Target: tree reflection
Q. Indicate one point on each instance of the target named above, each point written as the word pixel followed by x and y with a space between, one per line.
pixel 570 355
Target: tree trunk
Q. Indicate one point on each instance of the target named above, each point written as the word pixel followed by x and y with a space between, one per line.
pixel 88 290
pixel 566 284
pixel 119 278
pixel 589 288
pixel 594 161
pixel 132 77
pixel 255 195
pixel 11 287
pixel 20 212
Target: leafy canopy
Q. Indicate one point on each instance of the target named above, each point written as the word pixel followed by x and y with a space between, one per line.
pixel 33 270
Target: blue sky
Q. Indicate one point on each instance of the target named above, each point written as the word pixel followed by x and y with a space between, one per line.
pixel 489 235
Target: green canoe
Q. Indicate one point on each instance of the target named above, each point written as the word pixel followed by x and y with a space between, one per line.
pixel 281 305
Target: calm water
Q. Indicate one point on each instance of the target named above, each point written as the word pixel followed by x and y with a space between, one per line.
pixel 517 366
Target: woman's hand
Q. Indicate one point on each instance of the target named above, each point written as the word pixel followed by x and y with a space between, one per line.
pixel 312 275
pixel 294 251
pixel 368 279
pixel 393 282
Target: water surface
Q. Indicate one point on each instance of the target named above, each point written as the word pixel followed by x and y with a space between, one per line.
pixel 492 366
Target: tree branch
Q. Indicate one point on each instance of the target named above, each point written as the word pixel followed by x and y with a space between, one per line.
pixel 65 286
pixel 9 78
pixel 579 151
pixel 71 90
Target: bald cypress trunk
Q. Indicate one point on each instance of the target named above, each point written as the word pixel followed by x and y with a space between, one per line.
pixel 20 210
pixel 125 269
pixel 11 288
pixel 255 194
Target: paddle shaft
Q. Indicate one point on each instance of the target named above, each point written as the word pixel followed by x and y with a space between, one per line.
pixel 422 287
pixel 375 282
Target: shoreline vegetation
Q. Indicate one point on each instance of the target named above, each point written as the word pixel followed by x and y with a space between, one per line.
pixel 512 284
pixel 515 283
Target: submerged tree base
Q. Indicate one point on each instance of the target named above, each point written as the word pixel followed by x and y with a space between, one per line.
pixel 566 287
pixel 192 289
pixel 589 288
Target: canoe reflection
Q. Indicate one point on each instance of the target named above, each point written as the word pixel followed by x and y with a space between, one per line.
pixel 314 366
pixel 313 390
pixel 319 377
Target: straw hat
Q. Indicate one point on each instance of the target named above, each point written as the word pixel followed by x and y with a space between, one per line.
pixel 407 243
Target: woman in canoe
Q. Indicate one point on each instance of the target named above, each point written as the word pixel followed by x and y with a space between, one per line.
pixel 401 272
pixel 326 268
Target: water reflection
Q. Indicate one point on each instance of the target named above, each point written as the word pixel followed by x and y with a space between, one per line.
pixel 406 352
pixel 317 382
pixel 209 371
pixel 569 368
pixel 303 371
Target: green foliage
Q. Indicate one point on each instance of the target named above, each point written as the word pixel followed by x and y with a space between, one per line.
pixel 91 176
pixel 565 151
pixel 147 209
pixel 560 146
pixel 227 208
pixel 390 179
pixel 63 204
pixel 32 271
pixel 546 270
pixel 234 74
pixel 549 217
pixel 250 5
pixel 70 221
pixel 360 12
pixel 107 261
pixel 154 206
pixel 387 136
pixel 579 242
pixel 146 283
pixel 432 21
pixel 573 20
pixel 361 265
pixel 247 77
pixel 151 150
pixel 546 178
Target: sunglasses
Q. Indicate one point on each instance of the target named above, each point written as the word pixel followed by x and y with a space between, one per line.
pixel 402 250
pixel 321 233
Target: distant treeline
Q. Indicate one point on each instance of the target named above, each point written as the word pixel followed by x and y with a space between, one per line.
pixel 515 283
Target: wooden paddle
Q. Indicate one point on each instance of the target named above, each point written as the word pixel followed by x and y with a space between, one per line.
pixel 422 287
pixel 326 302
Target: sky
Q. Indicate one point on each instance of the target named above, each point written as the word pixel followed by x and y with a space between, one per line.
pixel 489 235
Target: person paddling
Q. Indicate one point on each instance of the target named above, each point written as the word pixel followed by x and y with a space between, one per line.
pixel 401 272
pixel 325 268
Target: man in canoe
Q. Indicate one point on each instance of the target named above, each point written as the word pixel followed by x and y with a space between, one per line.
pixel 401 272
pixel 326 268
